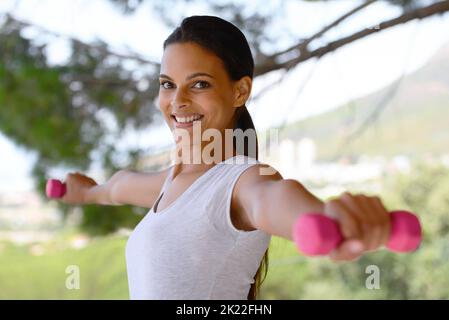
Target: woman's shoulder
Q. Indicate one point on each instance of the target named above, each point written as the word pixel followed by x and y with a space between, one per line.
pixel 258 172
pixel 155 177
pixel 248 189
pixel 254 178
pixel 139 188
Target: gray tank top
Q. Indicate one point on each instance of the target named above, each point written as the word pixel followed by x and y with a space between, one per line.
pixel 191 249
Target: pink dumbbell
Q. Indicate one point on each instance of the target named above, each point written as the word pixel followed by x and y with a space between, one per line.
pixel 317 234
pixel 55 189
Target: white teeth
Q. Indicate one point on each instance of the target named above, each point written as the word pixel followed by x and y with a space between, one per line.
pixel 187 119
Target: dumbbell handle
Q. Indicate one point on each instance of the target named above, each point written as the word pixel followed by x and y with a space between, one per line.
pixel 316 234
pixel 55 189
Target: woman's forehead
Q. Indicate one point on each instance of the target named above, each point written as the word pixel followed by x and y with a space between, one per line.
pixel 181 60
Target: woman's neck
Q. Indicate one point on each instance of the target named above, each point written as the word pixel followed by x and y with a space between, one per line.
pixel 199 159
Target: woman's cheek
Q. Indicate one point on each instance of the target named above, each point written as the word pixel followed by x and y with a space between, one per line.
pixel 163 107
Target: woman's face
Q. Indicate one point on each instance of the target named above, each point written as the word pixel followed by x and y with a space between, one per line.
pixel 195 85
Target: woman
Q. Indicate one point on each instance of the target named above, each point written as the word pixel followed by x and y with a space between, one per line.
pixel 213 213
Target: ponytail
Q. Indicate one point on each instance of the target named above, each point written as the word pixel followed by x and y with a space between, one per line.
pixel 244 121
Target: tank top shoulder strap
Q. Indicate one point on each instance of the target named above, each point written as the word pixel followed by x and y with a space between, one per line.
pixel 217 195
pixel 168 178
pixel 164 186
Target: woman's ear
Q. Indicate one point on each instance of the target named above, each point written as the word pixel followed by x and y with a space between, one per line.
pixel 242 90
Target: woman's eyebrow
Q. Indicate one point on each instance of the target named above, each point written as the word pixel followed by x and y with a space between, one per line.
pixel 197 74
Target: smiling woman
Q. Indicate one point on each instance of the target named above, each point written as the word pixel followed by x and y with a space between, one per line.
pixel 206 79
pixel 212 82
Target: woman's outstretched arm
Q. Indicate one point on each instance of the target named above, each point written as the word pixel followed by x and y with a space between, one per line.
pixel 273 204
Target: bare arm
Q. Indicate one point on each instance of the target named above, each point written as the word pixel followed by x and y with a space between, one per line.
pixel 138 189
pixel 273 204
pixel 289 199
pixel 127 187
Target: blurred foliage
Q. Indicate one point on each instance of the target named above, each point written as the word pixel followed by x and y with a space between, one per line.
pixel 56 112
pixel 418 275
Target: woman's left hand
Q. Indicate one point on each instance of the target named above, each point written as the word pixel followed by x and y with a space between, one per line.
pixel 364 224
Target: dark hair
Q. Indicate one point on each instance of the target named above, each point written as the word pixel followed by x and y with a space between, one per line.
pixel 228 43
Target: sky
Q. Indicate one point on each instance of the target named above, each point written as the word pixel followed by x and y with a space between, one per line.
pixel 313 87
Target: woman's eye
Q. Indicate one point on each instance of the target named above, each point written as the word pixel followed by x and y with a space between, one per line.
pixel 205 84
pixel 163 84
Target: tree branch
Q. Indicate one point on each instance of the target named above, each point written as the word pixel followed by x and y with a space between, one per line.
pixel 102 49
pixel 303 44
pixel 421 13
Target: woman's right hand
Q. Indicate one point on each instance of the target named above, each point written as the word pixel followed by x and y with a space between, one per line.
pixel 77 186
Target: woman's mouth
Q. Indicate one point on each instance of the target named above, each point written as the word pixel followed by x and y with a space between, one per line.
pixel 184 121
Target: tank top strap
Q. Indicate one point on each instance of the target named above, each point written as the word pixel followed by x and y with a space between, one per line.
pixel 168 178
pixel 219 176
pixel 164 186
pixel 216 195
pixel 214 186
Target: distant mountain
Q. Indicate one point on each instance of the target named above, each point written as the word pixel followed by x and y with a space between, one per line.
pixel 414 120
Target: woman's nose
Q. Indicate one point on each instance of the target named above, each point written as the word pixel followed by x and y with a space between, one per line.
pixel 180 99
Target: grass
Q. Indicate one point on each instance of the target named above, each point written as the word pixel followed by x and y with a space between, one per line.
pixel 290 275
pixel 101 264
